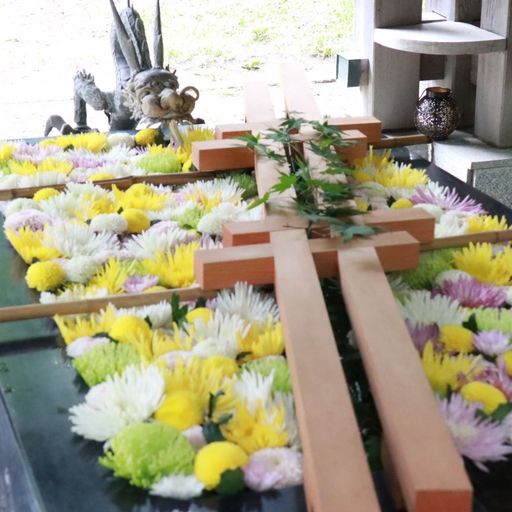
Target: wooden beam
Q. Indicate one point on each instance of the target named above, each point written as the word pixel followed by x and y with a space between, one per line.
pixel 255 264
pixel 493 237
pixel 337 476
pixel 226 154
pixel 298 96
pixel 430 471
pixel 368 125
pixel 258 102
pixel 27 311
pixel 416 221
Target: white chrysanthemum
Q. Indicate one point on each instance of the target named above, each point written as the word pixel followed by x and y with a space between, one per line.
pixel 121 400
pixel 451 223
pixel 90 190
pixel 62 206
pixel 79 269
pixel 397 284
pixel 148 243
pixel 219 336
pixel 181 487
pixel 42 179
pixel 371 190
pixel 121 139
pixel 421 308
pixel 245 301
pixel 18 205
pixel 254 390
pixel 76 292
pixel 212 222
pixel 82 345
pixel 117 169
pixel 290 420
pixel 450 275
pixel 113 222
pixel 433 209
pixel 273 468
pixel 75 239
pixel 224 189
pixel 160 315
pixel 9 181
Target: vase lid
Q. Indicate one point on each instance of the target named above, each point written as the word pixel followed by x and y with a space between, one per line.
pixel 438 92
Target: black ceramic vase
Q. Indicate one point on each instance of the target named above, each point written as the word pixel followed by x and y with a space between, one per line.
pixel 436 113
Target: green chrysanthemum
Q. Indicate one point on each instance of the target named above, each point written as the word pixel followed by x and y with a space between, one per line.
pixel 104 360
pixel 246 182
pixel 143 453
pixel 277 364
pixel 488 319
pixel 160 163
pixel 190 218
pixel 431 264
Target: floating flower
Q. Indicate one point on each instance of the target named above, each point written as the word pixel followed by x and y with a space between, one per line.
pixel 456 338
pixel 431 264
pixel 29 245
pixel 113 222
pixel 137 284
pixel 127 328
pixel 44 194
pixel 149 136
pixel 144 453
pixel 485 394
pixel 181 409
pixel 163 163
pixel 121 400
pixel 32 219
pixel 273 468
pixel 79 269
pixel 216 458
pixel 492 343
pixel 276 366
pixel 507 362
pixel 137 220
pixel 480 223
pixel 45 276
pixel 82 345
pixel 180 487
pixel 402 203
pixel 421 334
pixel 120 139
pixel 73 327
pixel 479 439
pixel 488 319
pixel 471 293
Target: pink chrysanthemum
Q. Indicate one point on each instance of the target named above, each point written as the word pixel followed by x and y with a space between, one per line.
pixel 137 284
pixel 422 333
pixel 491 343
pixel 34 219
pixel 481 440
pixel 447 199
pixel 471 293
pixel 34 152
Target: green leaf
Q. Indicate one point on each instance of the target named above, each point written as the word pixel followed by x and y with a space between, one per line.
pixel 212 432
pixel 285 182
pixel 212 402
pixel 231 482
pixel 356 230
pixel 148 321
pixel 471 323
pixel 262 200
pixel 502 411
pixel 179 313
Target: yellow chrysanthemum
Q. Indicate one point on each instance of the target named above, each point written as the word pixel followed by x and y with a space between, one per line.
pixel 361 204
pixel 203 314
pixel 195 134
pixel 401 177
pixel 257 430
pixel 489 396
pixel 507 359
pixel 444 372
pixel 112 275
pixel 45 276
pixel 45 193
pixel 216 458
pixel 479 223
pixel 181 409
pixel 374 160
pixel 141 197
pixel 149 136
pixel 456 338
pixel 94 142
pixel 362 176
pixel 73 327
pixel 23 167
pixel 225 365
pixel 27 168
pixel 137 220
pixel 100 206
pixel 175 269
pixel 130 329
pixel 29 245
pixel 101 175
pixel 6 151
pixel 402 203
pixel 479 261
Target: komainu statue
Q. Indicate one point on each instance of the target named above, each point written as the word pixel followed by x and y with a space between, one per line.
pixel 145 95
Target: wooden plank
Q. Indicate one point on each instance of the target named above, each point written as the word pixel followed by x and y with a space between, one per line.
pixel 94 305
pixel 389 13
pixel 337 476
pixel 255 263
pixel 258 102
pixel 430 471
pixel 298 96
pixel 225 154
pixel 368 125
pixel 493 237
pixel 401 140
pixel 415 221
pixel 234 130
pixel 493 108
pixel 358 146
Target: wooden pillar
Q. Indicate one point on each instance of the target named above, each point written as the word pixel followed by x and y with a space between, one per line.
pixel 392 89
pixel 493 108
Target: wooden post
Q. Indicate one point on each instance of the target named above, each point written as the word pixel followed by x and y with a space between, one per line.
pixel 336 474
pixel 493 109
pixel 392 89
pixel 429 469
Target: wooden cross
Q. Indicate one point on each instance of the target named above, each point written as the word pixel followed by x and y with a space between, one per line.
pixel 428 470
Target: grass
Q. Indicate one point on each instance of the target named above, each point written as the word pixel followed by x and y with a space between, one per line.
pixel 203 33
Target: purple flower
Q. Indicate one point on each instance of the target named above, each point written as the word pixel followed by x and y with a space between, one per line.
pixel 481 440
pixel 87 161
pixel 471 293
pixel 422 333
pixel 82 345
pixel 34 219
pixel 34 152
pixel 137 284
pixel 448 200
pixel 491 343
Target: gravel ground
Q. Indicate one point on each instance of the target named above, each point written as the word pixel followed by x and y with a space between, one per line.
pixel 44 42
